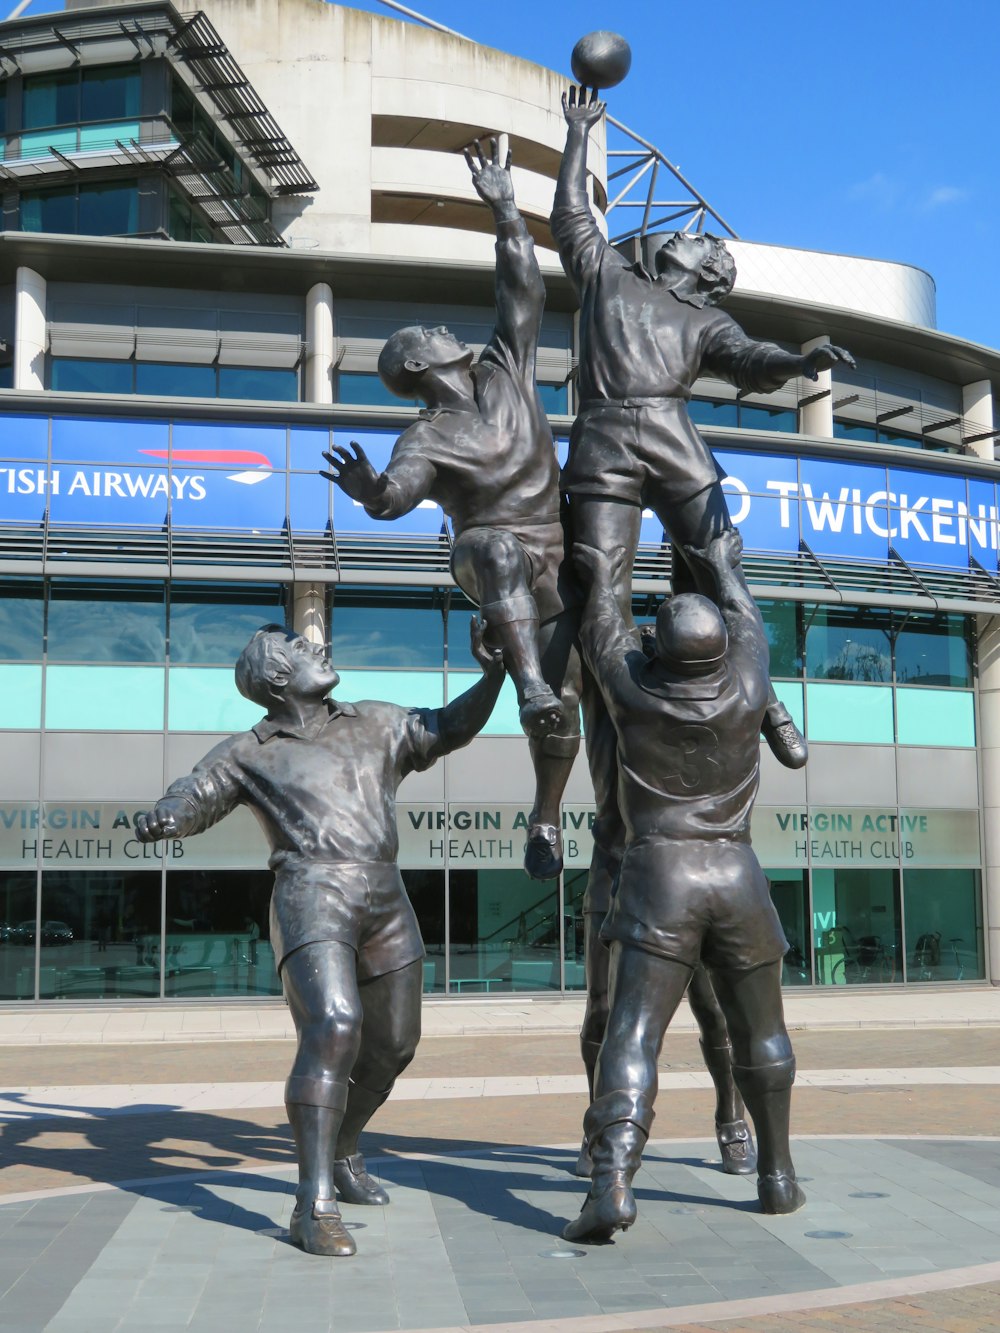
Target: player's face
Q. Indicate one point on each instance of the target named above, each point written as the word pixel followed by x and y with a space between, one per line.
pixel 683 253
pixel 312 671
pixel 439 348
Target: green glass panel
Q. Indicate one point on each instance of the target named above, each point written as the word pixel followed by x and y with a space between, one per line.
pixel 409 689
pixel 858 713
pixel 206 699
pixel 20 695
pixel 106 136
pixel 38 144
pixel 104 698
pixel 504 718
pixel 790 694
pixel 935 717
pixel 944 925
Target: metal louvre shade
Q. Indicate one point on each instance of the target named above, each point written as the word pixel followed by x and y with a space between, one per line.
pixel 93 342
pixel 280 350
pixel 190 346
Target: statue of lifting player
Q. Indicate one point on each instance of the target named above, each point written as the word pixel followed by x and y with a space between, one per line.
pixel 482 449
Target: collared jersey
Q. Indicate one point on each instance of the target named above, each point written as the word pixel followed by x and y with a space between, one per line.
pixel 495 465
pixel 325 796
pixel 637 338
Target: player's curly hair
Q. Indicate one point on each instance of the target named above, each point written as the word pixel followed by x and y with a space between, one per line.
pixel 265 657
pixel 718 267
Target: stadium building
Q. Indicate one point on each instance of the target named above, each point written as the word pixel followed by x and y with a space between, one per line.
pixel 210 224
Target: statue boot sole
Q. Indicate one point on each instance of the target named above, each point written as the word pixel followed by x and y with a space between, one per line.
pixel 612 1208
pixel 780 1194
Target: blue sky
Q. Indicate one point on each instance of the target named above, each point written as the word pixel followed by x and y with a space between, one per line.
pixel 868 128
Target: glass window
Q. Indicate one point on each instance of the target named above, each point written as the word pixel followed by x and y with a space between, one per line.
pixel 94 927
pixel 555 398
pixel 861 714
pixel 504 933
pixel 17 929
pixel 852 430
pixel 73 375
pixel 935 717
pixel 856 927
pixel 51 99
pixel 109 93
pixel 848 643
pixel 109 210
pixel 260 384
pixel 708 412
pixel 3 111
pixel 768 418
pixel 944 925
pixel 791 694
pixel 790 895
pixel 934 650
pixel 21 622
pixel 380 627
pixel 98 623
pixel 206 699
pixel 49 210
pixel 574 951
pixel 783 624
pixel 20 695
pixel 174 380
pixel 104 698
pixel 407 689
pixel 218 933
pixel 357 387
pixel 425 890
pixel 6 372
pixel 505 719
pixel 897 437
pixel 213 625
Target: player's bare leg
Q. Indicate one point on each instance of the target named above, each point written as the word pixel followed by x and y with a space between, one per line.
pixel 739 1157
pixel 490 566
pixel 389 1035
pixel 764 1069
pixel 321 986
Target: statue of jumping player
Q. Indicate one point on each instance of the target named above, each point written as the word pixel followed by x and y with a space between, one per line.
pixel 482 449
pixel 321 777
pixel 690 889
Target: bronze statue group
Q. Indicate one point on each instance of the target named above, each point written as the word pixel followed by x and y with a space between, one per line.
pixel 676 901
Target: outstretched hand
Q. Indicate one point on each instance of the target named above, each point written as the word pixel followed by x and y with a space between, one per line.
pixel 579 110
pixel 823 358
pixel 724 551
pixel 490 177
pixel 353 472
pixel 490 659
pixel 594 566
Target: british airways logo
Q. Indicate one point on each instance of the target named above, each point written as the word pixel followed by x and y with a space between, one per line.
pixel 146 483
pixel 257 466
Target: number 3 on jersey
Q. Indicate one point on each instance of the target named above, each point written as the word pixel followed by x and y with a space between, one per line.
pixel 691 762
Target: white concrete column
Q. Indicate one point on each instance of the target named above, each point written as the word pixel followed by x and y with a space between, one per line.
pixel 817 418
pixel 977 409
pixel 309 611
pixel 319 344
pixel 29 330
pixel 989 752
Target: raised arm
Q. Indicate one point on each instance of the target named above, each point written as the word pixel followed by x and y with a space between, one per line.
pixel 580 241
pixel 519 289
pixel 196 802
pixel 389 494
pixel 464 718
pixel 719 563
pixel 762 367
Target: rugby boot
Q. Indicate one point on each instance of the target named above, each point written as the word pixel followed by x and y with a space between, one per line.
pixel 617 1126
pixel 584 1163
pixel 541 713
pixel 783 737
pixel 779 1193
pixel 739 1156
pixel 543 858
pixel 354 1184
pixel 317 1228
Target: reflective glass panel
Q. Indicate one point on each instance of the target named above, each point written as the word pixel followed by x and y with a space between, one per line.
pixel 380 627
pixel 206 699
pixel 49 210
pixel 95 623
pixel 20 695
pixel 934 650
pixel 95 928
pixel 21 623
pixel 50 99
pixel 707 412
pixel 17 929
pixel 768 418
pixel 504 933
pixel 555 398
pixel 109 210
pixel 850 430
pixel 259 384
pixel 790 895
pixel 217 940
pixel 174 380
pixel 857 937
pixel 213 625
pixel 425 890
pixel 109 93
pixel 848 643
pixel 850 713
pixel 944 925
pixel 104 698
pixel 406 689
pixel 783 624
pixel 574 954
pixel 72 375
pixel 505 719
pixel 368 389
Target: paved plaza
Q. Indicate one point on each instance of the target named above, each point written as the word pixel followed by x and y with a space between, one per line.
pixel 146 1183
